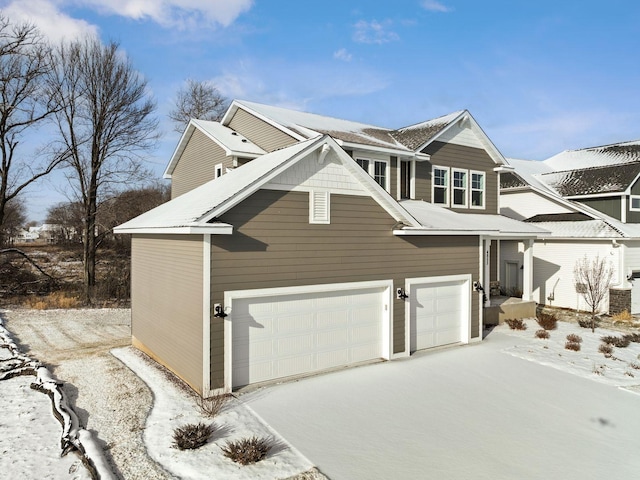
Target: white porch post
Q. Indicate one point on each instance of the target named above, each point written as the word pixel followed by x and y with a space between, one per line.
pixel 527 271
pixel 486 282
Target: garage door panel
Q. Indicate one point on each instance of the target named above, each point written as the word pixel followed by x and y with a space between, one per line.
pixel 286 335
pixel 435 313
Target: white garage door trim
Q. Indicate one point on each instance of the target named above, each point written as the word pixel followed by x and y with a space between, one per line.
pixel 465 289
pixel 230 296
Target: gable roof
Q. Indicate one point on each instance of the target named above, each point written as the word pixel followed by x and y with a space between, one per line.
pixel 613 154
pixel 586 181
pixel 196 211
pixel 233 143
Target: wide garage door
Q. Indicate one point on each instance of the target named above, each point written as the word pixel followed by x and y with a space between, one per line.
pixel 292 334
pixel 438 313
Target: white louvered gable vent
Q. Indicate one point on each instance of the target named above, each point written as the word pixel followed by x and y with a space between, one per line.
pixel 319 203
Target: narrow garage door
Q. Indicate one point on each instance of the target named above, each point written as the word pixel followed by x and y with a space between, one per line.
pixel 436 313
pixel 284 335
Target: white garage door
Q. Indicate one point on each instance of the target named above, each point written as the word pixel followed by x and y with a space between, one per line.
pixel 436 313
pixel 294 334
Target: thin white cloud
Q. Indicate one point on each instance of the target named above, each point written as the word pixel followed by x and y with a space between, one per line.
pixel 52 23
pixel 343 55
pixel 180 14
pixel 435 6
pixel 374 32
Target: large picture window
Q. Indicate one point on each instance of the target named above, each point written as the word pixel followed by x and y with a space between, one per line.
pixel 440 185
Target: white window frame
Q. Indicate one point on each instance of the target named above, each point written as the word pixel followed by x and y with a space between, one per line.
pixel 319 199
pixel 631 199
pixel 465 188
pixel 484 190
pixel 371 169
pixel 218 171
pixel 448 185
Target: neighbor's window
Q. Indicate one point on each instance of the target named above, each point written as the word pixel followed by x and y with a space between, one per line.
pixel 635 203
pixel 440 177
pixel 477 189
pixel 459 198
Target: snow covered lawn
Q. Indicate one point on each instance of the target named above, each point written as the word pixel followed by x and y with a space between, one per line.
pixel 477 411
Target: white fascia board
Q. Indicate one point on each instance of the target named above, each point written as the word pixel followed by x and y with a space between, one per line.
pixel 409 231
pixel 217 229
pixel 373 148
pixel 504 168
pixel 564 202
pixel 594 195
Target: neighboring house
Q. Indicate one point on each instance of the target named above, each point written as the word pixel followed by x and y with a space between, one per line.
pixel 589 201
pixel 296 243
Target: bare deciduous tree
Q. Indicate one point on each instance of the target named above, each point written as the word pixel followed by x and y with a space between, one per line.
pixel 24 64
pixel 197 99
pixel 105 124
pixel 592 280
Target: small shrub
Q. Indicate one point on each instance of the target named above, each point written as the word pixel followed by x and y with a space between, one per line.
pixel 629 374
pixel 623 316
pixel 548 321
pixel 635 366
pixel 543 334
pixel 212 406
pixel 516 324
pixel 247 450
pixel 619 342
pixel 633 337
pixel 190 436
pixel 587 323
pixel 572 337
pixel 606 349
pixel 575 346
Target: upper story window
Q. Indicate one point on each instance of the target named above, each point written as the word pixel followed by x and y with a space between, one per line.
pixel 459 193
pixel 477 189
pixel 378 169
pixel 441 185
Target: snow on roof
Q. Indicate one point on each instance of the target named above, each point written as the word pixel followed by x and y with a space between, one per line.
pixel 440 218
pixel 187 209
pixel 613 154
pixel 414 136
pixel 585 181
pixel 580 229
pixel 529 170
pixel 232 140
pixel 345 130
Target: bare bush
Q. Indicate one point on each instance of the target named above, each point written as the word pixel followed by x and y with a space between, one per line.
pixel 516 324
pixel 572 337
pixel 548 321
pixel 212 406
pixel 247 450
pixel 619 342
pixel 543 334
pixel 605 349
pixel 588 323
pixel 575 346
pixel 191 436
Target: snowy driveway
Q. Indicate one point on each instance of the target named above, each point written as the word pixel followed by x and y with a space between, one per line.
pixel 469 412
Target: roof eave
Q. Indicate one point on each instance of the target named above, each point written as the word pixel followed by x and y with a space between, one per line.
pixel 389 150
pixel 213 229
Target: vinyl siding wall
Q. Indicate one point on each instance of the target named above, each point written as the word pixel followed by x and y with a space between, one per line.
pixel 166 296
pixel 261 133
pixel 197 164
pixel 274 245
pixel 609 205
pixel 459 156
pixel 526 204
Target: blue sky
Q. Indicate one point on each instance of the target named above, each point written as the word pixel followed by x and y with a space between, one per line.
pixel 539 76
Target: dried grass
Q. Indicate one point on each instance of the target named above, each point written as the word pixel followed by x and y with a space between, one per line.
pixel 516 324
pixel 548 321
pixel 572 337
pixel 543 334
pixel 191 436
pixel 212 406
pixel 575 346
pixel 623 316
pixel 247 450
pixel 55 300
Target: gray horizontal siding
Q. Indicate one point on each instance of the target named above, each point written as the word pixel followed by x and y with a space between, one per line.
pixel 611 206
pixel 459 156
pixel 274 245
pixel 261 133
pixel 197 164
pixel 167 296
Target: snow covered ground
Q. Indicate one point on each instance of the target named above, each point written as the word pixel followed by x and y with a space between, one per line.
pixel 478 411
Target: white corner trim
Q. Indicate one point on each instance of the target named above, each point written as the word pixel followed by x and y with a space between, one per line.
pixel 206 315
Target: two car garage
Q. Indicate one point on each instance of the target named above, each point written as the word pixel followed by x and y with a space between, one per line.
pixel 283 332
